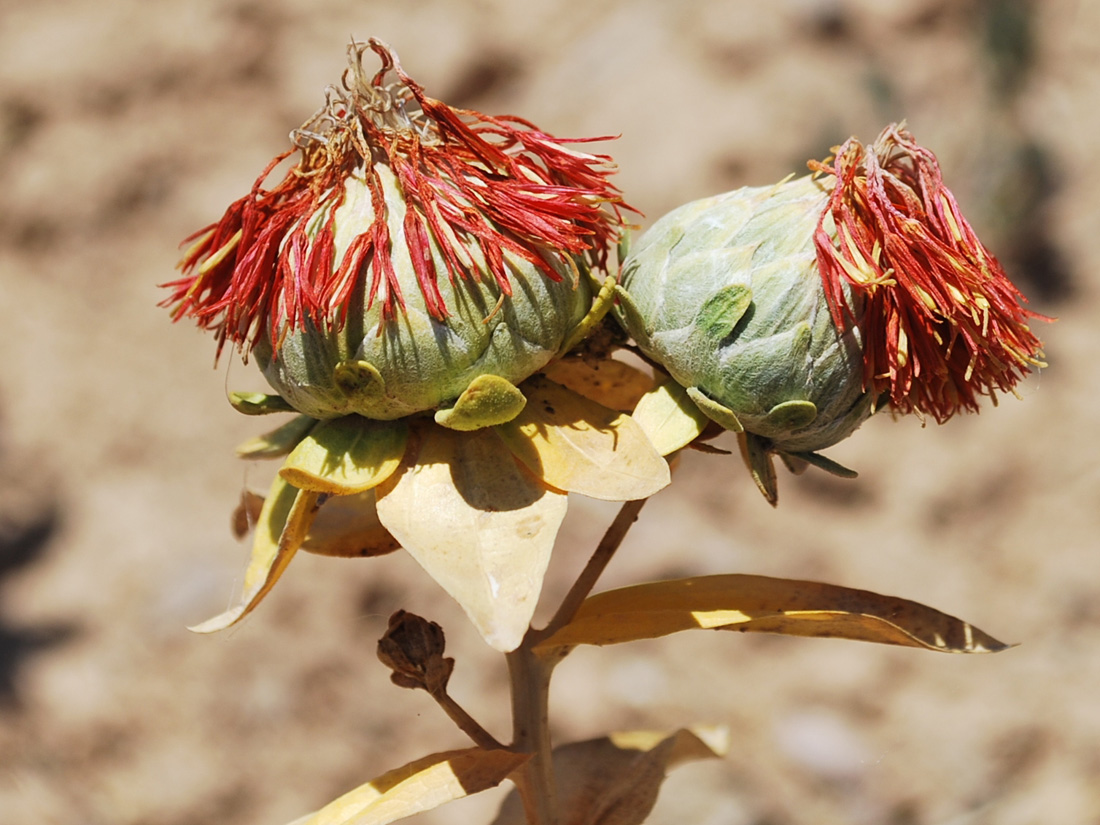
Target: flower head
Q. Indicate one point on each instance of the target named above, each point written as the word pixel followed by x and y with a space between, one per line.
pixel 790 312
pixel 724 293
pixel 423 259
pixel 433 243
pixel 942 324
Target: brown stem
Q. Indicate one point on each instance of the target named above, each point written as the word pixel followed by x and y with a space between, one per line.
pixel 530 678
pixel 573 600
pixel 482 738
pixel 530 672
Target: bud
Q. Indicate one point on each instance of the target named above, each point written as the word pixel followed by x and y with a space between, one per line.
pixel 411 249
pixel 412 647
pixel 725 294
pixel 792 311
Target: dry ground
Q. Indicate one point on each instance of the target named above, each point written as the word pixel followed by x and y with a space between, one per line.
pixel 125 125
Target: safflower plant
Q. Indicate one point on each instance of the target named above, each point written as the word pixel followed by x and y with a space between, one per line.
pixel 445 303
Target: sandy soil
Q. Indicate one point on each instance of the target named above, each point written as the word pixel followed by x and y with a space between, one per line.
pixel 125 126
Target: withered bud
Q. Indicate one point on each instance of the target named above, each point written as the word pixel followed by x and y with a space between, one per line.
pixel 413 648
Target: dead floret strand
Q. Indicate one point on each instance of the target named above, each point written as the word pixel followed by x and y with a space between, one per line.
pixel 942 324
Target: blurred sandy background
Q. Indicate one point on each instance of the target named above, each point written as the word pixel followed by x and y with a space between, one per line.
pixel 126 125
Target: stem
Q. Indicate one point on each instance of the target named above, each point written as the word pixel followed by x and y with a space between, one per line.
pixel 530 678
pixel 482 738
pixel 530 674
pixel 573 600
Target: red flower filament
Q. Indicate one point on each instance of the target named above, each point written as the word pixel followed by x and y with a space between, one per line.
pixel 470 181
pixel 942 325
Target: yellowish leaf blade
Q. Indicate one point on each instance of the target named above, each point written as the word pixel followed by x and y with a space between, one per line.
pixel 285 519
pixel 689 744
pixel 615 384
pixel 669 418
pixel 419 786
pixel 279 441
pixel 479 524
pixel 580 446
pixel 768 605
pixel 346 455
pixel 614 780
pixel 348 526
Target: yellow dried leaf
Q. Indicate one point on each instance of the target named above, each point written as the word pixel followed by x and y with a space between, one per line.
pixel 669 418
pixel 479 524
pixel 583 447
pixel 284 520
pixel 614 780
pixel 348 526
pixel 419 786
pixel 615 384
pixel 346 455
pixel 768 605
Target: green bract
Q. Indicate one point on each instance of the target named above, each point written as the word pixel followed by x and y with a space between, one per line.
pixel 725 293
pixel 389 369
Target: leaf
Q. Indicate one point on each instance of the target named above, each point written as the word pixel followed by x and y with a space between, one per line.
pixel 669 418
pixel 284 521
pixel 720 414
pixel 722 311
pixel 479 524
pixel 601 303
pixel 615 384
pixel 614 780
pixel 419 786
pixel 758 458
pixel 346 455
pixel 348 526
pixel 631 317
pixel 791 415
pixel 360 381
pixel 580 446
pixel 279 441
pixel 488 400
pixel 247 513
pixel 763 604
pixel 258 403
pixel 826 464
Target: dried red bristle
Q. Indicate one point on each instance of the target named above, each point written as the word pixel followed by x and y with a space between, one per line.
pixel 942 325
pixel 497 184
